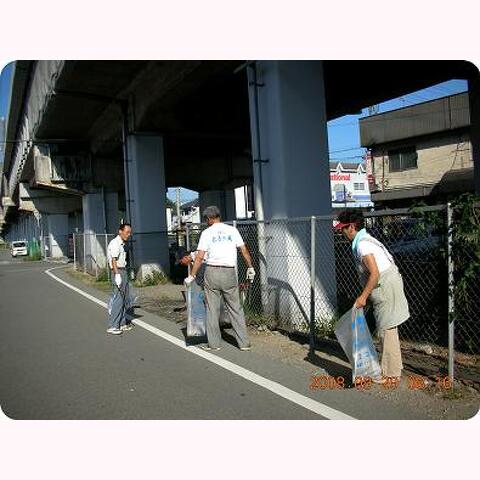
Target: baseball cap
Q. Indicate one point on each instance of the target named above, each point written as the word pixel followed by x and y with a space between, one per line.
pixel 341 225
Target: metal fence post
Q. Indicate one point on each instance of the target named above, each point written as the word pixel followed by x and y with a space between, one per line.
pixel 94 256
pixel 312 286
pixel 84 253
pixel 234 225
pixel 107 265
pixel 187 243
pixel 74 252
pixel 451 305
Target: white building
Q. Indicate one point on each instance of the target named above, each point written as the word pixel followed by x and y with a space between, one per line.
pixel 349 185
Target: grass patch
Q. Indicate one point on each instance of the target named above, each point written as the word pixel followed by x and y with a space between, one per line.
pixel 453 394
pixel 99 283
pixel 154 278
pixel 33 257
pixel 324 326
pixel 102 276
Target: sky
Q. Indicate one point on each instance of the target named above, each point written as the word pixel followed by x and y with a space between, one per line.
pixel 5 78
pixel 343 132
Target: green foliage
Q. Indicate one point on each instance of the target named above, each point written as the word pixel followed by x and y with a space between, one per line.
pixel 102 276
pixel 32 258
pixel 465 232
pixel 155 278
pixel 34 253
pixel 465 252
pixel 256 319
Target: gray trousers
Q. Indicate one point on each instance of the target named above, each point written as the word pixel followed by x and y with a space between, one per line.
pixel 222 283
pixel 119 314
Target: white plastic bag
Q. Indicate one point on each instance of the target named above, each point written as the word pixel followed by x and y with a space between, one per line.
pixel 196 311
pixel 354 336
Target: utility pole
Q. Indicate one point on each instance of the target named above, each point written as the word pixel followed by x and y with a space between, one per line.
pixel 179 218
pixel 178 207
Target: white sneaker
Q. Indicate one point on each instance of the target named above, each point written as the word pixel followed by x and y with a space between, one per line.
pixel 126 328
pixel 114 331
pixel 208 348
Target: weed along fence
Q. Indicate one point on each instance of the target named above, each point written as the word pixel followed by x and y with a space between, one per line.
pixel 306 275
pixel 90 253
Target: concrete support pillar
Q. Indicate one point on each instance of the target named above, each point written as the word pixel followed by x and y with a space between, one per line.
pixel 223 199
pixel 474 99
pixel 291 174
pixel 145 190
pixel 100 216
pixel 57 241
pixel 100 212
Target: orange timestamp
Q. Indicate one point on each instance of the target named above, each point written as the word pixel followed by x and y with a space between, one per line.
pixel 417 382
pixel 326 382
pixel 365 383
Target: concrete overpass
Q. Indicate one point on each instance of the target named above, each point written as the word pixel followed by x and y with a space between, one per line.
pixel 90 142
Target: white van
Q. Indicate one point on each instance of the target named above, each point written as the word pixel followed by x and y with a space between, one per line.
pixel 19 248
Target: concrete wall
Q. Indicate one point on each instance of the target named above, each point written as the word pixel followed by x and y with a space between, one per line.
pixel 436 156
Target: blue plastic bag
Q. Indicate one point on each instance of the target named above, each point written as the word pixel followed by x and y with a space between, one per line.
pixel 354 336
pixel 196 311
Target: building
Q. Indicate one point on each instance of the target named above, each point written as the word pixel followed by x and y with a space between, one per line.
pixel 422 152
pixel 349 185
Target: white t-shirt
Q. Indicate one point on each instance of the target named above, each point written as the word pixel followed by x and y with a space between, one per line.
pixel 220 242
pixel 116 250
pixel 367 247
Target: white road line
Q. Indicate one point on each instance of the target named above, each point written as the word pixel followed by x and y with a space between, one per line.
pixel 274 387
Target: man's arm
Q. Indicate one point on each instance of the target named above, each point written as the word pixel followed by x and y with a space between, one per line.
pixel 246 255
pixel 198 262
pixel 371 264
pixel 114 265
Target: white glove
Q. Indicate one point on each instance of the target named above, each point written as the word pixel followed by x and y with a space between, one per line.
pixel 188 280
pixel 250 274
pixel 118 280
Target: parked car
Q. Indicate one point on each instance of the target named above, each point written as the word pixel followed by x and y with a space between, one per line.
pixel 19 248
pixel 410 237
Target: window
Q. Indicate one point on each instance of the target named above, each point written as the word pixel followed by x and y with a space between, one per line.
pixel 359 186
pixel 402 159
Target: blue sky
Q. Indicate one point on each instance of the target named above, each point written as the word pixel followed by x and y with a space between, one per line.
pixel 5 79
pixel 343 132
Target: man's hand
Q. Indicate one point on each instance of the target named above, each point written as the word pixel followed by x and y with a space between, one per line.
pixel 360 302
pixel 187 282
pixel 250 274
pixel 118 280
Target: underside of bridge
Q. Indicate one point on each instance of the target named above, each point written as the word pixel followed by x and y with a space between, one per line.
pixel 113 135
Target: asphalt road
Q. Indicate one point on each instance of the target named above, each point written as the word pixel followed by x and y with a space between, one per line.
pixel 57 362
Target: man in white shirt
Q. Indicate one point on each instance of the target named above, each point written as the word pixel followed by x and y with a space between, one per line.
pixel 218 246
pixel 117 261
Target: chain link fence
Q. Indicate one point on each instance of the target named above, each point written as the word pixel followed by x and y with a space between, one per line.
pixel 297 292
pixel 306 274
pixel 90 253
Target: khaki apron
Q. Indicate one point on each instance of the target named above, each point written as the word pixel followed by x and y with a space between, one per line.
pixel 390 306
